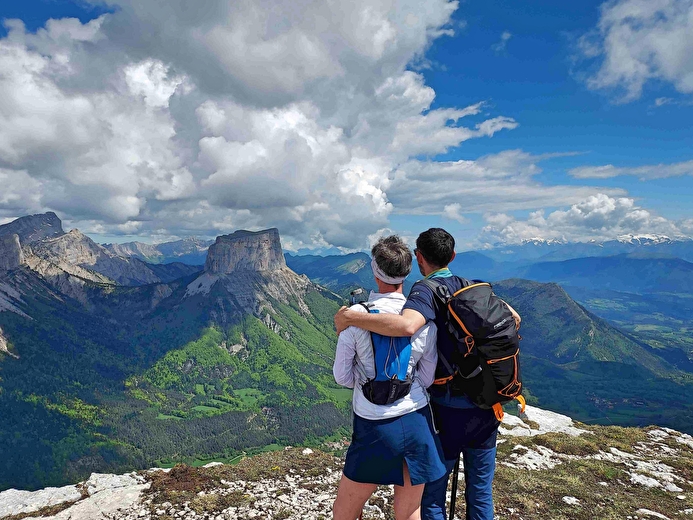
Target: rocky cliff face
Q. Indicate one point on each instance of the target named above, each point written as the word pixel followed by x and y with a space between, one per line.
pixel 246 251
pixel 11 254
pixel 245 272
pixel 34 227
pixel 73 248
pixel 76 254
pixel 3 343
pixel 146 252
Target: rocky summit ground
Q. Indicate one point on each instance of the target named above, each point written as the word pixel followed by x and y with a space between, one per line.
pixel 548 468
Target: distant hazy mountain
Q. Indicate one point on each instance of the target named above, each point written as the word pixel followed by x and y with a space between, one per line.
pixel 477 266
pixel 191 251
pixel 340 273
pixel 629 273
pixel 556 250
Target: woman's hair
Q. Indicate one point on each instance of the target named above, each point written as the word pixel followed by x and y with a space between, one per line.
pixel 392 256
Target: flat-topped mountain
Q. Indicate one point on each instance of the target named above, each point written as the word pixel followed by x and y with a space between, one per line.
pixel 34 227
pixel 246 251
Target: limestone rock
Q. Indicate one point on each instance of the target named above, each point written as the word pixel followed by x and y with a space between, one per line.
pixel 4 346
pixel 11 254
pixel 15 502
pixel 250 292
pixel 102 481
pixel 73 248
pixel 246 251
pixel 146 252
pixel 10 295
pixel 540 421
pixel 33 228
pixel 75 252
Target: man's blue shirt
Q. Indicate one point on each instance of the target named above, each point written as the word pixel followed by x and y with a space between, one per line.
pixel 422 300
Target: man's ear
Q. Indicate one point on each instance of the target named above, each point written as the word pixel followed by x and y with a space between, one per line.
pixel 453 257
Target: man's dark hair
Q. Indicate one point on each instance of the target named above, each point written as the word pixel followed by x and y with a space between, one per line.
pixel 392 256
pixel 436 246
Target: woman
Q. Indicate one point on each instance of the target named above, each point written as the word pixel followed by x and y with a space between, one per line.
pixel 392 443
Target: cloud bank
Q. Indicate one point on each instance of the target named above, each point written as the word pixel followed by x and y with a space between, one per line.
pixel 598 217
pixel 166 119
pixel 238 114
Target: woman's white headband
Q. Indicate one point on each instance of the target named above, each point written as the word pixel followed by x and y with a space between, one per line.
pixel 380 275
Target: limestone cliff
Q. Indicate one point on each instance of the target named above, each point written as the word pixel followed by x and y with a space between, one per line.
pixel 246 272
pixel 3 343
pixel 34 227
pixel 11 254
pixel 146 252
pixel 246 251
pixel 76 253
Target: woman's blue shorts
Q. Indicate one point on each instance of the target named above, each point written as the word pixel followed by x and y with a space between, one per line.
pixel 379 449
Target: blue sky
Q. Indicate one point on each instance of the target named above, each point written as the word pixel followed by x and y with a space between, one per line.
pixel 201 126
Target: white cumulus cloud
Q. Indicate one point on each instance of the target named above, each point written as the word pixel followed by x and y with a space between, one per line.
pixel 637 41
pixel 235 114
pixel 599 216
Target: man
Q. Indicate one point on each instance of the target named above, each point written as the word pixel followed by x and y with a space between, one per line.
pixel 465 429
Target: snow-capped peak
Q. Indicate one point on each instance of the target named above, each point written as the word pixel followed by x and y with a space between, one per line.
pixel 538 241
pixel 646 239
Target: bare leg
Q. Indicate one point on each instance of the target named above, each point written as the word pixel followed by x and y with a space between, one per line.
pixel 408 499
pixel 351 497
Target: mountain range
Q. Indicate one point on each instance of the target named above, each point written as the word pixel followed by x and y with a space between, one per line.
pixel 191 250
pixel 102 370
pixel 108 362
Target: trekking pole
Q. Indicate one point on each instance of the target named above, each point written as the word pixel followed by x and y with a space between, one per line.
pixel 453 494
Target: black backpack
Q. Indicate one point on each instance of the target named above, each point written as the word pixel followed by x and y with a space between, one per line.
pixel 486 363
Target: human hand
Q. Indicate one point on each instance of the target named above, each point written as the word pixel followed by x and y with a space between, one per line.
pixel 340 319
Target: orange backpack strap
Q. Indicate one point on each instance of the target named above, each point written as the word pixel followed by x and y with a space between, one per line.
pixel 498 410
pixel 522 402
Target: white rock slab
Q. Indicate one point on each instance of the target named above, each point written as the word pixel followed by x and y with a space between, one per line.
pixel 535 458
pixel 14 502
pixel 644 480
pixel 548 422
pixel 102 481
pixel 653 514
pixel 102 504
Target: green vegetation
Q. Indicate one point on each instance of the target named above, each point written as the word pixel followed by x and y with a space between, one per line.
pixel 577 364
pixel 96 390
